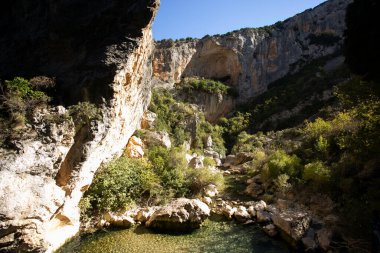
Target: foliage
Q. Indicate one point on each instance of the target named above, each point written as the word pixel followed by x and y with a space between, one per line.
pixel 83 113
pixel 281 182
pixel 118 184
pixel 281 163
pixel 20 97
pixel 184 123
pixel 209 162
pixel 170 166
pixel 304 86
pixel 200 178
pixel 206 85
pixel 316 172
pixel 164 174
pixel 233 126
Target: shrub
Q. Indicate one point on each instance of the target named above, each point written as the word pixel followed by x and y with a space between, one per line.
pixel 322 145
pixel 199 178
pixel 316 172
pixel 256 165
pixel 83 113
pixel 209 162
pixel 206 85
pixel 281 163
pixel 21 97
pixel 281 182
pixel 170 166
pixel 118 184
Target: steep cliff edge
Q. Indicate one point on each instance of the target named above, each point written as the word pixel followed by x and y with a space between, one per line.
pixel 98 51
pixel 251 59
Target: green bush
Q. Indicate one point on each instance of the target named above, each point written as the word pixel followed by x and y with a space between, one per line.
pixel 120 183
pixel 281 163
pixel 179 119
pixel 170 166
pixel 316 172
pixel 199 178
pixel 206 85
pixel 20 97
pixel 209 162
pixel 83 113
pixel 281 182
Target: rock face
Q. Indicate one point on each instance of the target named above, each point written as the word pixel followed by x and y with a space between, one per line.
pixel 250 59
pixel 170 60
pixel 134 148
pixel 98 51
pixel 180 214
pixel 294 223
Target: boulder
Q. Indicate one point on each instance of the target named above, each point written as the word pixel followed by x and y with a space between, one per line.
pixel 324 237
pixel 180 214
pixel 208 142
pixel 293 222
pixel 196 162
pixel 263 216
pixel 134 148
pixel 251 210
pixel 270 230
pixel 147 120
pixel 261 205
pixel 309 242
pixel 228 211
pixel 211 153
pixel 241 214
pixel 159 138
pixel 254 190
pixel 144 214
pixel 243 157
pixel 218 162
pixel 210 190
pixel 121 221
pixel 229 160
pixel 207 200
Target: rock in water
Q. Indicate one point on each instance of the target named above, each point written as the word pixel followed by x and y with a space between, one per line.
pixel 180 215
pixel 293 222
pixel 99 51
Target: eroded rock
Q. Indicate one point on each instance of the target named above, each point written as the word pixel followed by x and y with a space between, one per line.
pixel 241 214
pixel 180 214
pixel 293 222
pixel 134 148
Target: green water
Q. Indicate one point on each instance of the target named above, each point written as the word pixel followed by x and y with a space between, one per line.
pixel 213 237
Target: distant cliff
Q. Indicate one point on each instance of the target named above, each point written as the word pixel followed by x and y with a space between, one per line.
pixel 98 51
pixel 250 59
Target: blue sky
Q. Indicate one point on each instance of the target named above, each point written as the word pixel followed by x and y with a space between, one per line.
pixel 196 18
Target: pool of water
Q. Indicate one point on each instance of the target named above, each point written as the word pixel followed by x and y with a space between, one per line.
pixel 213 237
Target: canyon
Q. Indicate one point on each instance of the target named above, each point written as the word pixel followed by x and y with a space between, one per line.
pixel 103 52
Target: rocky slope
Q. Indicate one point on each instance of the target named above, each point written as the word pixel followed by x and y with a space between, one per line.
pixel 99 52
pixel 250 59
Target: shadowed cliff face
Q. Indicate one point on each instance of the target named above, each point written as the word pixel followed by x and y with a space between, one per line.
pixel 99 51
pixel 251 59
pixel 81 43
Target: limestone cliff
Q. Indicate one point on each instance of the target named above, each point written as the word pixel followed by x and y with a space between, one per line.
pixel 98 51
pixel 250 59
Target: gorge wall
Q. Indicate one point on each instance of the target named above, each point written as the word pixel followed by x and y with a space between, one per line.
pixel 250 59
pixel 98 51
